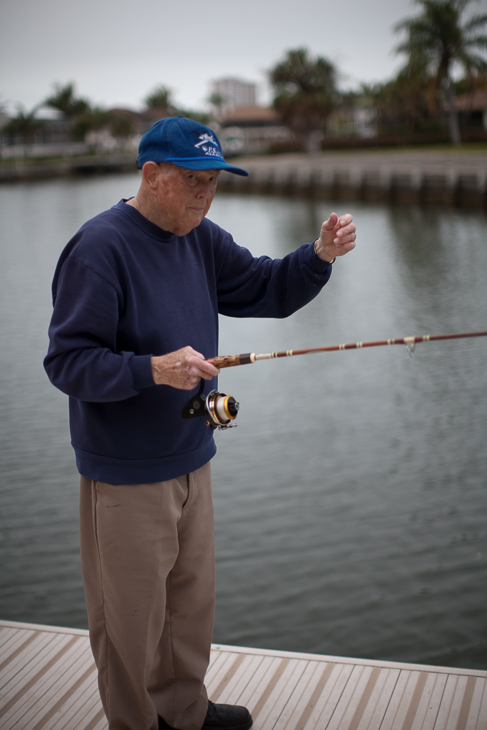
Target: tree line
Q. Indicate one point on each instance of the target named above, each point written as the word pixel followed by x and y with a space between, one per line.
pixel 81 117
pixel 443 54
pixel 434 45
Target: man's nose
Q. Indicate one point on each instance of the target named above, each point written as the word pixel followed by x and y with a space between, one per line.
pixel 205 190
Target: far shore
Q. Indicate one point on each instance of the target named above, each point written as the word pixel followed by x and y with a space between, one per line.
pixel 449 176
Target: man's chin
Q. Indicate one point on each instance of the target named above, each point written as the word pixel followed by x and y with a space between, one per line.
pixel 188 226
pixel 195 219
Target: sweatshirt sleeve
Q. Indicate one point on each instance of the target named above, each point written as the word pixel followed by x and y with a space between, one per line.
pixel 265 287
pixel 82 360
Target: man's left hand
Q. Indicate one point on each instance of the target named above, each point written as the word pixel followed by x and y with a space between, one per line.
pixel 337 237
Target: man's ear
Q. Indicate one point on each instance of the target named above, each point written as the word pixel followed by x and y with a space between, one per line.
pixel 150 174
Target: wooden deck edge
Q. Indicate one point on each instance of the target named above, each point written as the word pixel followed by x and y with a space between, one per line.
pixel 354 661
pixel 277 653
pixel 43 627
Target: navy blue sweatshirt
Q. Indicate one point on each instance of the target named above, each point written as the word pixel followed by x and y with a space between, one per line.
pixel 125 290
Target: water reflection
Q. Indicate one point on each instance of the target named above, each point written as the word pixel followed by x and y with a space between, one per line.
pixel 440 254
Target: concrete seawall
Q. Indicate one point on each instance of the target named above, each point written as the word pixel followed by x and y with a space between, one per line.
pixel 429 177
pixel 19 170
pixel 450 177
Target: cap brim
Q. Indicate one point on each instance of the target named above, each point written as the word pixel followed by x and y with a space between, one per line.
pixel 206 163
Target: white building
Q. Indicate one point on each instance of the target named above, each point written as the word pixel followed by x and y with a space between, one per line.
pixel 234 93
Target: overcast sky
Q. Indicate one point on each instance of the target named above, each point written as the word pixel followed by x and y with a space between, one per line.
pixel 116 51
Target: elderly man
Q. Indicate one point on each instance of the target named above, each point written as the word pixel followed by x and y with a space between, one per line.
pixel 136 294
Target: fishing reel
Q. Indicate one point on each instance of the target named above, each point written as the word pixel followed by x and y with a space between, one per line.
pixel 218 408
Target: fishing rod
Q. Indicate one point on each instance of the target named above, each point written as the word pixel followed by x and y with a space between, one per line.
pixel 228 361
pixel 220 409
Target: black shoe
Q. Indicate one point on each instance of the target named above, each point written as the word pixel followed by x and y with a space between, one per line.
pixel 221 717
pixel 227 717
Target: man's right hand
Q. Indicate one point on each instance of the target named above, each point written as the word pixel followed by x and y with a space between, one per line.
pixel 182 369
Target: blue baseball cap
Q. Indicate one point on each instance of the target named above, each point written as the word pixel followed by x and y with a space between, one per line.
pixel 184 143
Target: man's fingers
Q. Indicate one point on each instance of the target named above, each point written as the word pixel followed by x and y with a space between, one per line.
pixel 204 369
pixel 346 229
pixel 182 369
pixel 330 224
pixel 345 220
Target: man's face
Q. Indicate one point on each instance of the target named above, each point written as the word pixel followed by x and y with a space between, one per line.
pixel 184 197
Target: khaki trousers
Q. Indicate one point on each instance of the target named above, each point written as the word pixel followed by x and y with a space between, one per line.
pixel 147 553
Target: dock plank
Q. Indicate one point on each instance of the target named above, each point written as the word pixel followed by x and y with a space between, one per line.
pixel 48 682
pixel 304 696
pixel 55 701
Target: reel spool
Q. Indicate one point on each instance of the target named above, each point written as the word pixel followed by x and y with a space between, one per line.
pixel 219 409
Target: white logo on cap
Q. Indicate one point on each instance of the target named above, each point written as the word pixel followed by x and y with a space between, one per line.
pixel 206 140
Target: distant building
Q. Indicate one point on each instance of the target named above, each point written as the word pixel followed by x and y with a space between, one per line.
pixel 252 130
pixel 352 119
pixel 472 109
pixel 234 93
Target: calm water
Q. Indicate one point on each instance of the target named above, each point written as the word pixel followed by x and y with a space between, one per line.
pixel 351 499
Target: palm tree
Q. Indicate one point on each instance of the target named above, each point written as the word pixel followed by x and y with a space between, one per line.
pixel 305 92
pixel 160 99
pixel 217 104
pixel 438 41
pixel 24 126
pixel 399 104
pixel 65 101
pixel 92 120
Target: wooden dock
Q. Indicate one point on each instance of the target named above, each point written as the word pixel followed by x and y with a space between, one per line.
pixel 48 681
